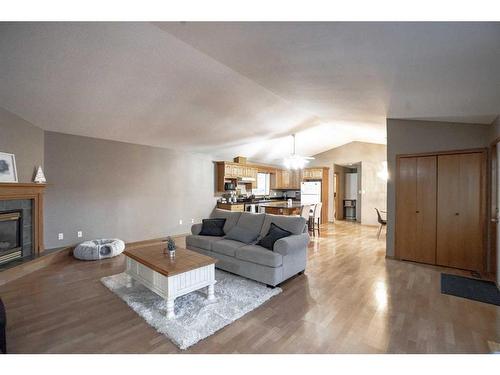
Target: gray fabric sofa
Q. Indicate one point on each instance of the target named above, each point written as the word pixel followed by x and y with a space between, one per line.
pixel 288 258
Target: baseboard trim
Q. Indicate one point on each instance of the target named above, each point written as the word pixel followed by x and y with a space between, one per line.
pixel 43 260
pixel 52 256
pixel 153 240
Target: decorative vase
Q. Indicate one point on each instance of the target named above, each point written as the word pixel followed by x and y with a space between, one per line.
pixel 171 246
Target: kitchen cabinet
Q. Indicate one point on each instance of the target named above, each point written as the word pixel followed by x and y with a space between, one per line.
pixel 296 179
pixel 312 174
pixel 234 171
pixel 280 178
pixel 286 179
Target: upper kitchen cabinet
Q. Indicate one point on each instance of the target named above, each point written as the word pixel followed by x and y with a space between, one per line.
pixel 312 174
pixel 234 171
pixel 286 179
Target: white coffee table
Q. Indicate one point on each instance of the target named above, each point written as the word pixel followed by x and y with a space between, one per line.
pixel 171 278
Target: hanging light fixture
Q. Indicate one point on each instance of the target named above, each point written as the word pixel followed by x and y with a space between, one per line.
pixel 295 161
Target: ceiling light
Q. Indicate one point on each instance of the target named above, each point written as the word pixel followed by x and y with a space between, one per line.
pixel 295 161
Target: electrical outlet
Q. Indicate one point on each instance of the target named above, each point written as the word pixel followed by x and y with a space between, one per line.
pixel 79 234
pixel 192 221
pixel 60 236
pixel 180 221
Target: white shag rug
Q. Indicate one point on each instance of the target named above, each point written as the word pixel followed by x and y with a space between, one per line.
pixel 195 317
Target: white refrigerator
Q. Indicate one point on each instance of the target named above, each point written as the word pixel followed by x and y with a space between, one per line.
pixel 310 192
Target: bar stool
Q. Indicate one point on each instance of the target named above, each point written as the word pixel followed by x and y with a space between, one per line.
pixel 316 217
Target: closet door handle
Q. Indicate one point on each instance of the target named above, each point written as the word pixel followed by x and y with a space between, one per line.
pixel 417 212
pixel 456 213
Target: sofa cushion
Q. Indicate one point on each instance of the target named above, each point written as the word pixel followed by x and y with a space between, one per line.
pixel 275 233
pixel 242 235
pixel 294 224
pixel 202 242
pixel 251 222
pixel 259 255
pixel 231 218
pixel 212 227
pixel 227 247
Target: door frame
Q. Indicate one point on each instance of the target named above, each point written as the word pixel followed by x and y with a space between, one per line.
pixel 485 192
pixel 493 251
pixel 335 194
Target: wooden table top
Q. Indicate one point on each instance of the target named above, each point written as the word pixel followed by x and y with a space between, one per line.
pixel 152 256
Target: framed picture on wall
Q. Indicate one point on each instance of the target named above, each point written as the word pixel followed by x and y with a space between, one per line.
pixel 8 171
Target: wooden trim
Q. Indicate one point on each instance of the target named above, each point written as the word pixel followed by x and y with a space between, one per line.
pixel 34 192
pixel 16 185
pixel 56 255
pixel 397 254
pixel 325 187
pixel 492 250
pixel 49 257
pixel 437 153
pixel 153 241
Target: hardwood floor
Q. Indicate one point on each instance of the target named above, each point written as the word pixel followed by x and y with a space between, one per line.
pixel 351 299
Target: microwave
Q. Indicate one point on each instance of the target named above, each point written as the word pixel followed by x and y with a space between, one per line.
pixel 228 186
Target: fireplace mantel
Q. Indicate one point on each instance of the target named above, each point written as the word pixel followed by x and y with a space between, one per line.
pixel 10 191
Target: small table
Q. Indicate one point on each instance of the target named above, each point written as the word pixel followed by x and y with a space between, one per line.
pixel 171 277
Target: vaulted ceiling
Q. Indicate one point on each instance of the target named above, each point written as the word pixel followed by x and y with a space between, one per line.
pixel 242 88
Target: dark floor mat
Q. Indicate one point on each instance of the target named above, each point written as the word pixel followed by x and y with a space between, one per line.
pixel 477 290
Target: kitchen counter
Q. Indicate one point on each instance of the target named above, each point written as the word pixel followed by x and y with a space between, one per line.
pixel 238 206
pixel 282 208
pixel 281 204
pixel 274 206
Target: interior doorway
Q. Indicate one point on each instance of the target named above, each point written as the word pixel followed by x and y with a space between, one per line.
pixel 335 194
pixel 347 187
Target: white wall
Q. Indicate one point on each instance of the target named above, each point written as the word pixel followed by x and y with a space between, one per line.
pixel 372 156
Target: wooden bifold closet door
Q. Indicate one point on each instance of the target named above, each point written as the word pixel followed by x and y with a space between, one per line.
pixel 416 209
pixel 460 211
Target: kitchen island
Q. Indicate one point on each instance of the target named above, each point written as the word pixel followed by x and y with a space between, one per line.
pixel 276 207
pixel 282 207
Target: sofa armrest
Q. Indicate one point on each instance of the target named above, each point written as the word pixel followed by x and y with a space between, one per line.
pixel 196 228
pixel 291 244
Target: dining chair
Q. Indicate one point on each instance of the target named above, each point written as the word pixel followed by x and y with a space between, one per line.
pixel 305 212
pixel 382 223
pixel 316 217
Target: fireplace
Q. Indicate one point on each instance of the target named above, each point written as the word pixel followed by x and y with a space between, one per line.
pixel 21 223
pixel 11 235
